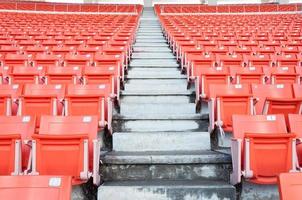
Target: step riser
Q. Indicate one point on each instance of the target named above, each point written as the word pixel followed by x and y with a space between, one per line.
pixel 160 125
pixel 161 141
pixel 147 108
pixel 205 172
pixel 166 193
pixel 156 99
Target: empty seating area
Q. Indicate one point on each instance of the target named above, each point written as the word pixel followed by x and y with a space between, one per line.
pixel 247 69
pixel 61 76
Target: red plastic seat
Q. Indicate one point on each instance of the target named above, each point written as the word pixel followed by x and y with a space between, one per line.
pixel 62 51
pixel 297 91
pixel 288 60
pixel 295 126
pixel 230 60
pixel 276 99
pixel 248 75
pixel 23 75
pixel 72 60
pixel 63 75
pixel 14 153
pixel 38 100
pixel 227 100
pixel 16 60
pixel 290 185
pixel 284 75
pixel 46 60
pixel 110 60
pixel 8 99
pixel 199 61
pixel 207 76
pixel 67 146
pixel 94 98
pixel 261 148
pixel 258 61
pixel 35 187
pixel 103 75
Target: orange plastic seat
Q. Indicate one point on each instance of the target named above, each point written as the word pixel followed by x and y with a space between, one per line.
pixel 261 148
pixel 103 75
pixel 72 60
pixel 295 126
pixel 248 75
pixel 95 98
pixel 23 75
pixel 38 100
pixel 284 75
pixel 16 60
pixel 35 187
pixel 110 60
pixel 258 61
pixel 46 60
pixel 226 100
pixel 276 99
pixel 290 185
pixel 8 99
pixel 230 60
pixel 14 153
pixel 208 76
pixel 63 75
pixel 67 146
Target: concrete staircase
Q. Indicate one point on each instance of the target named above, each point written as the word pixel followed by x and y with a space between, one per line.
pixel 161 147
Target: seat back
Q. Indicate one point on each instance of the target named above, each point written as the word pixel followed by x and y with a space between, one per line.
pixel 290 185
pixel 71 60
pixel 297 91
pixel 7 94
pixel 63 75
pixel 40 100
pixel 230 100
pixel 267 149
pixel 263 92
pixel 284 75
pixel 64 144
pixel 35 187
pixel 14 128
pixel 91 97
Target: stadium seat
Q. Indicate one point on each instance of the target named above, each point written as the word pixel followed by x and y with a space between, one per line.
pixel 248 75
pixel 35 187
pixel 289 185
pixel 16 60
pixel 95 98
pixel 226 100
pixel 72 60
pixel 38 100
pixel 9 95
pixel 276 99
pixel 284 75
pixel 68 146
pixel 261 148
pixel 15 131
pixel 42 59
pixel 295 125
pixel 63 75
pixel 22 75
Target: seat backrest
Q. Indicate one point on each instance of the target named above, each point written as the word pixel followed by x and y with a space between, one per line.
pixel 248 75
pixel 77 60
pixel 230 100
pixel 91 97
pixel 284 75
pixel 262 124
pixel 295 124
pixel 278 91
pixel 23 75
pixel 24 126
pixel 7 94
pixel 290 185
pixel 63 75
pixel 35 187
pixel 297 91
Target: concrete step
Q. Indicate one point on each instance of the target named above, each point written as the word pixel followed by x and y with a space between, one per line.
pixel 147 44
pixel 159 36
pixel 156 99
pixel 167 165
pixel 166 190
pixel 160 125
pixel 161 141
pixel 155 73
pixel 151 49
pixel 151 40
pixel 149 108
pixel 149 63
pixel 145 85
pixel 153 55
pixel 251 191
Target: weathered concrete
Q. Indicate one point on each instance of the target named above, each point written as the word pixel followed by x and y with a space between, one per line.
pixel 161 141
pixel 167 190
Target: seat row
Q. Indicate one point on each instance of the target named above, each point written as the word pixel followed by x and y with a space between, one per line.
pixel 62 146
